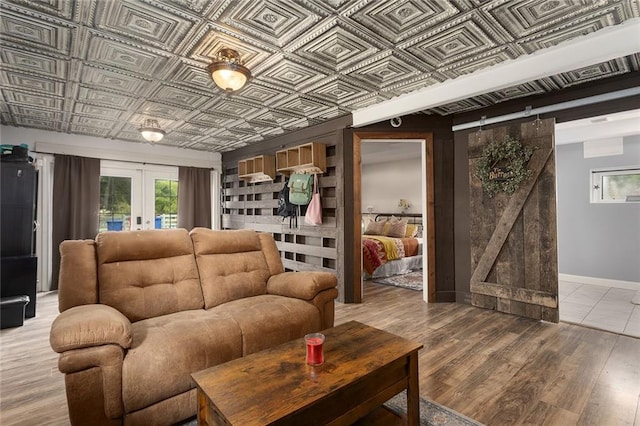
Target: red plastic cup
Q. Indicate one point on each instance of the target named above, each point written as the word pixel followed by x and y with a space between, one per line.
pixel 314 342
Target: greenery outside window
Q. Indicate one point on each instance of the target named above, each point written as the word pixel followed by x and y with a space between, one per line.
pixel 166 203
pixel 615 185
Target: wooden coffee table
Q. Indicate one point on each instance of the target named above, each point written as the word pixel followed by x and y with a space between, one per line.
pixel 364 367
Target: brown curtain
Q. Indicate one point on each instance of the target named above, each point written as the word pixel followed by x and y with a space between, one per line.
pixel 194 197
pixel 76 203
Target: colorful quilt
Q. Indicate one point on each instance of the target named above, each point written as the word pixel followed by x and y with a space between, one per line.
pixel 378 250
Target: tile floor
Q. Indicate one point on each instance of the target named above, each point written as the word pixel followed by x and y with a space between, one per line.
pixel 605 308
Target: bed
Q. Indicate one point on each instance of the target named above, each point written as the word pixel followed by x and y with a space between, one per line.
pixel 384 252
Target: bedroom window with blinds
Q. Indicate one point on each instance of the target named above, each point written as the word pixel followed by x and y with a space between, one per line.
pixel 615 185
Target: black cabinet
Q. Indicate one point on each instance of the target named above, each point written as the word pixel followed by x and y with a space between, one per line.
pixel 18 278
pixel 18 208
pixel 18 268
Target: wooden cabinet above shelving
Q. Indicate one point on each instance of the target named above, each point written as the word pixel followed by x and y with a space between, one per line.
pixel 257 169
pixel 306 158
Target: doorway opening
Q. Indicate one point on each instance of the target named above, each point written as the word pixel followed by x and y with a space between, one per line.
pixel 425 140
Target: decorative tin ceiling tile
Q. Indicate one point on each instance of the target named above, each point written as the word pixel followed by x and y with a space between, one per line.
pixel 156 109
pixel 92 122
pixel 366 101
pixel 113 53
pixel 97 111
pixel 153 25
pixel 478 62
pixel 556 36
pixel 261 94
pixel 105 98
pixel 414 84
pixel 332 112
pixel 301 105
pixel 275 21
pixel 232 107
pixel 197 6
pixel 32 83
pixel 526 89
pixel 60 8
pixel 214 121
pixel 292 75
pixel 524 18
pixel 337 90
pixel 35 113
pixel 336 47
pixel 276 118
pixel 332 5
pixel 91 131
pixel 35 32
pixel 465 39
pixel 114 80
pixel 187 99
pixel 23 60
pixel 594 72
pixel 398 20
pixel 33 99
pixel 384 71
pixel 463 105
pixel 37 123
pixel 192 76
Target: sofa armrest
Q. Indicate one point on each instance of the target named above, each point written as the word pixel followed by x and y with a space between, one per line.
pixel 301 285
pixel 93 380
pixel 90 325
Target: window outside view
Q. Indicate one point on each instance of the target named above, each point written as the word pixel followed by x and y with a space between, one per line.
pixel 115 203
pixel 616 186
pixel 166 204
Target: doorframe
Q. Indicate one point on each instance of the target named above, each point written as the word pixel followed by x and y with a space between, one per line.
pixel 428 206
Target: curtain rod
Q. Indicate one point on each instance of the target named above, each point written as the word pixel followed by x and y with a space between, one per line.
pixel 144 163
pixel 550 108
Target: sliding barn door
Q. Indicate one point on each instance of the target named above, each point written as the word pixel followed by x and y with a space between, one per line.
pixel 513 236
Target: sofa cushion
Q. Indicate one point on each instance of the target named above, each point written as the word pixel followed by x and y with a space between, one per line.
pixel 144 274
pixel 166 350
pixel 269 320
pixel 231 264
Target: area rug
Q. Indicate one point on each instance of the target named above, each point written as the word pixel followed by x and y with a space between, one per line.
pixel 412 280
pixel 431 413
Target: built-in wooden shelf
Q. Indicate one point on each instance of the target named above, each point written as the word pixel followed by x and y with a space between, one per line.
pixel 306 158
pixel 257 169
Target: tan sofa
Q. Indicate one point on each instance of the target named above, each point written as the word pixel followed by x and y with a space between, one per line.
pixel 142 310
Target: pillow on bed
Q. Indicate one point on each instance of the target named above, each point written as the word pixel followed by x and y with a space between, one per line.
pixel 375 228
pixel 412 230
pixel 397 229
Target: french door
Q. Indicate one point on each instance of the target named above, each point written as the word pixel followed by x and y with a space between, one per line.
pixel 137 196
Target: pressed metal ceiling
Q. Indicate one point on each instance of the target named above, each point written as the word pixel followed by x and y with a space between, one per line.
pixel 101 67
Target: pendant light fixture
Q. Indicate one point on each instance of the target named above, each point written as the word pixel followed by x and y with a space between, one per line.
pixel 228 72
pixel 151 130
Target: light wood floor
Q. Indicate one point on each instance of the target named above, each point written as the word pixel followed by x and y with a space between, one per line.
pixel 495 368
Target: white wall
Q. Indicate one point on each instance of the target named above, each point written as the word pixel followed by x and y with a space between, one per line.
pixel 384 184
pixel 107 149
pixel 596 240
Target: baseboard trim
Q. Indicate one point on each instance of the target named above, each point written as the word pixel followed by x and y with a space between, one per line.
pixel 629 285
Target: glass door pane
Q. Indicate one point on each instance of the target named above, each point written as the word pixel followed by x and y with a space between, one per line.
pixel 115 203
pixel 166 203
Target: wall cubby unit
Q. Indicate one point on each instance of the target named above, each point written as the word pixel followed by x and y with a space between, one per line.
pixel 306 158
pixel 257 169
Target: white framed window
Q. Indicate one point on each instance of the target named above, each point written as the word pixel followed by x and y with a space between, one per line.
pixel 615 185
